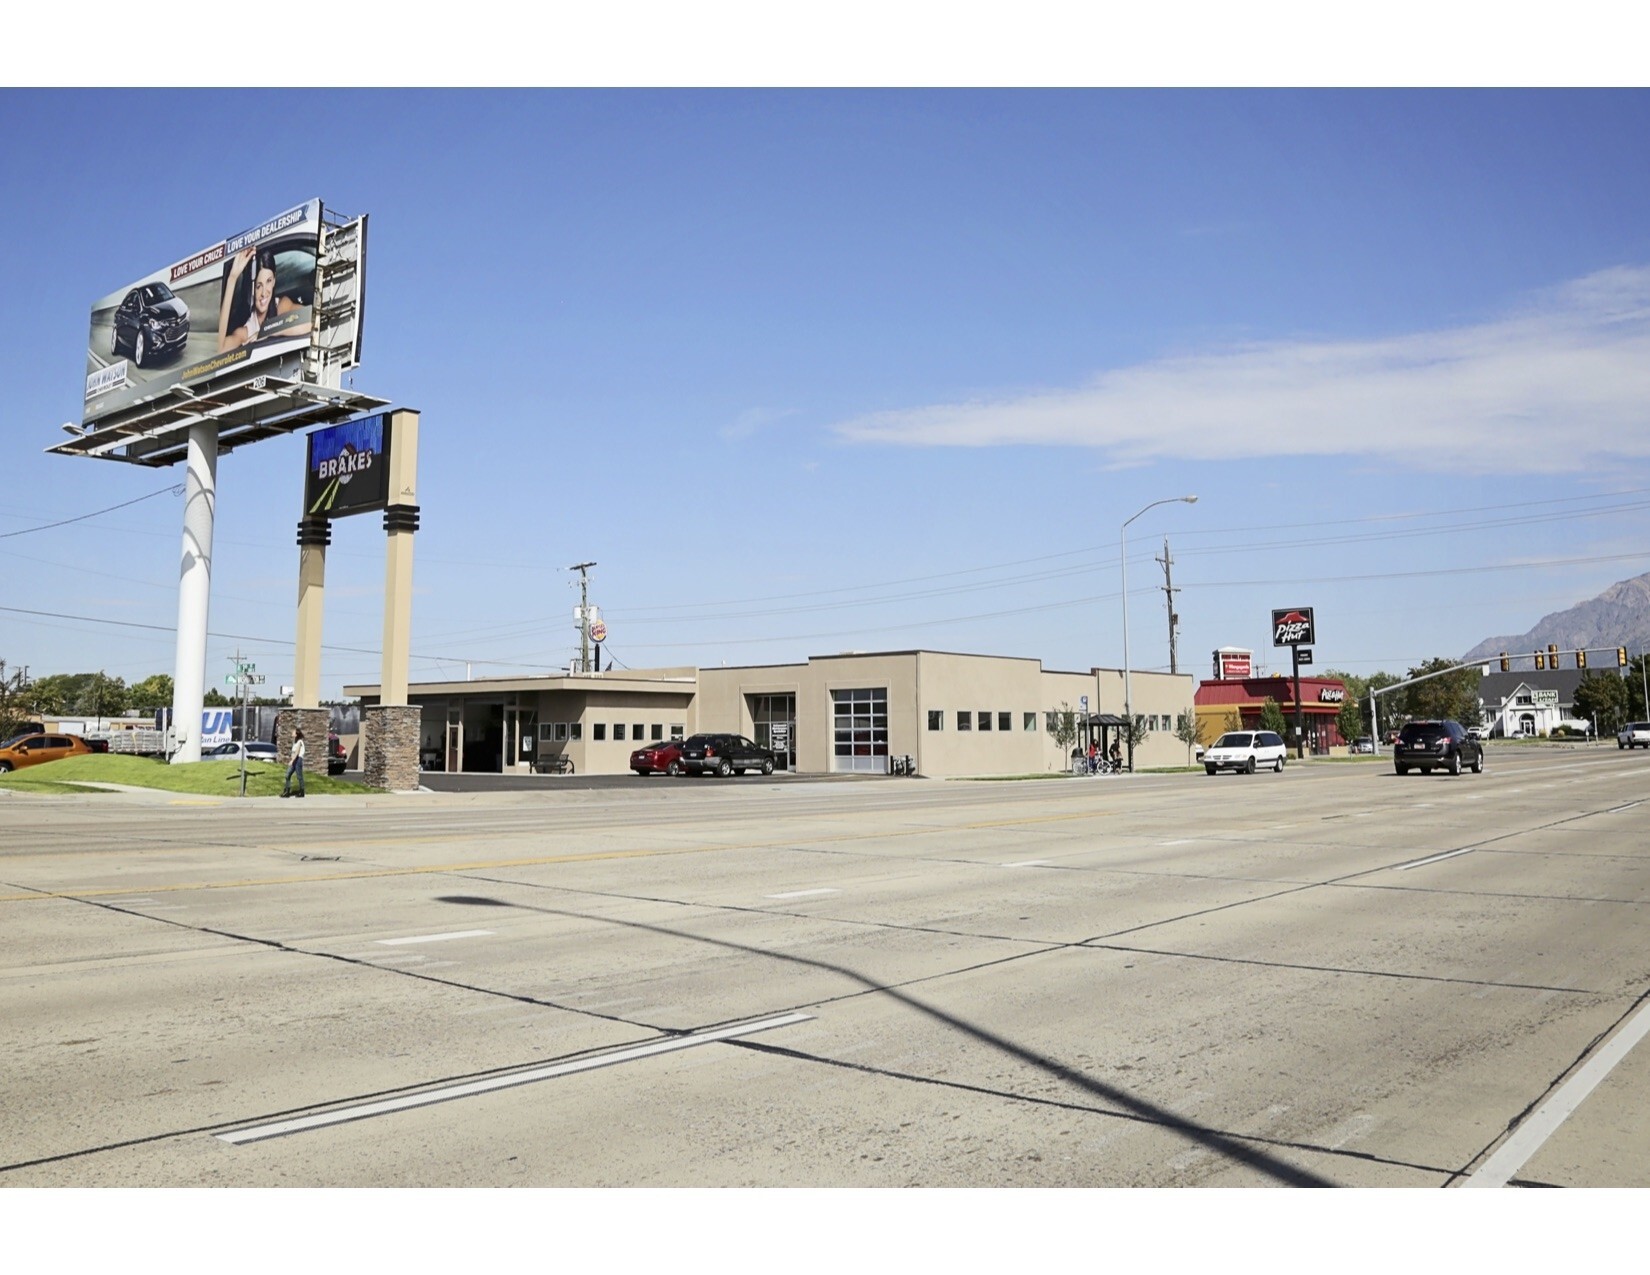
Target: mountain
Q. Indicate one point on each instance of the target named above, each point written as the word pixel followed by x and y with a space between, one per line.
pixel 1620 616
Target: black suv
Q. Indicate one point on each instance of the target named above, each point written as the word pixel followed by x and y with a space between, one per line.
pixel 724 755
pixel 152 322
pixel 1445 745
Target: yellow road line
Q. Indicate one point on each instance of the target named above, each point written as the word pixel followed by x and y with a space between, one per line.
pixel 536 861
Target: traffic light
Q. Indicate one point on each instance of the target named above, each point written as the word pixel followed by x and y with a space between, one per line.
pixel 1581 659
pixel 1541 659
pixel 1506 663
pixel 1552 656
pixel 1621 657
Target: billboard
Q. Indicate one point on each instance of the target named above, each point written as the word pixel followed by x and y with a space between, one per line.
pixel 349 471
pixel 1233 662
pixel 249 299
pixel 1293 627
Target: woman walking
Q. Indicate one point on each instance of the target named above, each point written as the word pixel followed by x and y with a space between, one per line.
pixel 295 766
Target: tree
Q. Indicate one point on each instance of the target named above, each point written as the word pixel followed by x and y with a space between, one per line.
pixel 1062 724
pixel 1271 718
pixel 1135 733
pixel 1234 721
pixel 1603 697
pixel 81 694
pixel 154 691
pixel 1350 720
pixel 1454 695
pixel 17 705
pixel 1185 730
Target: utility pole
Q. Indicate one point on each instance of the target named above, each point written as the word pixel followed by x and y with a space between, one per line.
pixel 1169 591
pixel 583 568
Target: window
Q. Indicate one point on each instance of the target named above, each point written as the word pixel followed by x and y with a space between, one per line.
pixel 936 719
pixel 965 719
pixel 561 730
pixel 1031 721
pixel 575 731
pixel 676 731
pixel 984 719
pixel 860 723
pixel 1005 721
pixel 637 732
pixel 618 731
pixel 598 732
pixel 658 731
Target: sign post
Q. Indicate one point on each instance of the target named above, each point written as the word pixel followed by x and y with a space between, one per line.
pixel 1293 627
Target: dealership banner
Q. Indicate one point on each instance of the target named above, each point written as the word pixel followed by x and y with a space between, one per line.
pixel 247 300
pixel 349 471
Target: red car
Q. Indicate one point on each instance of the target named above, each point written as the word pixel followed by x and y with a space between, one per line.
pixel 658 759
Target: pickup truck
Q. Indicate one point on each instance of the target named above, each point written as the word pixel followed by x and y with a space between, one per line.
pixel 1634 735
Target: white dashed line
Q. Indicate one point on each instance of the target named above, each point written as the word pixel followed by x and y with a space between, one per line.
pixel 1437 858
pixel 800 894
pixel 362 1111
pixel 1516 1151
pixel 435 938
pixel 1026 863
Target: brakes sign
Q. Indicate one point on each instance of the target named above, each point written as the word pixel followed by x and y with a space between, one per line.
pixel 1293 627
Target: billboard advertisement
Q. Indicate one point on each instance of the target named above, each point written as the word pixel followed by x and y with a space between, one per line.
pixel 1233 662
pixel 248 299
pixel 1293 627
pixel 349 470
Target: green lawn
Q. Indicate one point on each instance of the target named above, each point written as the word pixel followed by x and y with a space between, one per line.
pixel 216 778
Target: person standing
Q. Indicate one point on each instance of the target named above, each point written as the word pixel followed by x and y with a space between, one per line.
pixel 295 766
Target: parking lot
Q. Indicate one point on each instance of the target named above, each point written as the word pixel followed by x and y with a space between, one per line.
pixel 1331 976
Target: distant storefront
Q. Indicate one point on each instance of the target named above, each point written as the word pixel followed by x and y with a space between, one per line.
pixel 1222 701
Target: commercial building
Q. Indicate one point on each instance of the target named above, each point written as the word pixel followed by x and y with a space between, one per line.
pixel 951 713
pixel 1225 702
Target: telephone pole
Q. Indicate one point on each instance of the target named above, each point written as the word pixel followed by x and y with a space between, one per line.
pixel 583 568
pixel 1169 591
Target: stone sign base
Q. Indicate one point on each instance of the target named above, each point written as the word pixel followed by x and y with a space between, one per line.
pixel 315 723
pixel 390 735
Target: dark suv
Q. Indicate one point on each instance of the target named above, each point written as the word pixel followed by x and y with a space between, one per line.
pixel 1445 745
pixel 152 322
pixel 724 755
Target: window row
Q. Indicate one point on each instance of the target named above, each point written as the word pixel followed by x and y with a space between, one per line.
pixel 573 732
pixel 981 719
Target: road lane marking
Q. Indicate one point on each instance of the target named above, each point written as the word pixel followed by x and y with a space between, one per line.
pixel 1516 1151
pixel 1437 858
pixel 1616 810
pixel 801 894
pixel 434 938
pixel 1027 863
pixel 363 1111
pixel 1184 841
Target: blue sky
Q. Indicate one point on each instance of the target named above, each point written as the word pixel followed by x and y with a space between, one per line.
pixel 807 371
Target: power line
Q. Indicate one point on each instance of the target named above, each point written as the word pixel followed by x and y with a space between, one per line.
pixel 176 490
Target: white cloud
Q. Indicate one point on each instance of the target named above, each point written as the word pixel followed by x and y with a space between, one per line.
pixel 751 420
pixel 1560 386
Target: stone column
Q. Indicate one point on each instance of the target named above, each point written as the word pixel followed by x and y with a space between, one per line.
pixel 315 723
pixel 390 738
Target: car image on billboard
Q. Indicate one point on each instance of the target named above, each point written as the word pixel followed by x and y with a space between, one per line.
pixel 249 299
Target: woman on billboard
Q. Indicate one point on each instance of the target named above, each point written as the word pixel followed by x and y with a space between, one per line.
pixel 265 308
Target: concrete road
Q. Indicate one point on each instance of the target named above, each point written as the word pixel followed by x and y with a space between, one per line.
pixel 1330 976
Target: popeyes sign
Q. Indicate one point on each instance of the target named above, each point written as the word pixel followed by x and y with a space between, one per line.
pixel 1293 627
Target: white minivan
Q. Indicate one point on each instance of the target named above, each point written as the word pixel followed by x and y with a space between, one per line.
pixel 1248 751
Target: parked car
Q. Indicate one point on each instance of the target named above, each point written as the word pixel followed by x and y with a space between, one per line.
pixel 337 758
pixel 1477 732
pixel 152 322
pixel 1363 744
pixel 660 759
pixel 1634 735
pixel 1248 751
pixel 37 749
pixel 255 750
pixel 1441 745
pixel 725 755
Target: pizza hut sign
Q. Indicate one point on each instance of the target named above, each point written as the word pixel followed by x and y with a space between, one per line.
pixel 1293 627
pixel 1332 695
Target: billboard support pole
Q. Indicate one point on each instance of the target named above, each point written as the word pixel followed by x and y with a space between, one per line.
pixel 392 727
pixel 194 589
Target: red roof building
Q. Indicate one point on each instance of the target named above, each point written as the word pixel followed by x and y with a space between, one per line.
pixel 1321 699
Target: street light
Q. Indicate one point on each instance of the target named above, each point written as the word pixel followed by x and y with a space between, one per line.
pixel 1128 698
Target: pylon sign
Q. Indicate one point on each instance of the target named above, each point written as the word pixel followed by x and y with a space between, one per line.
pixel 349 469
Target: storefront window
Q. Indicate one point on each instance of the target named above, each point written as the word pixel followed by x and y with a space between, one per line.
pixel 860 722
